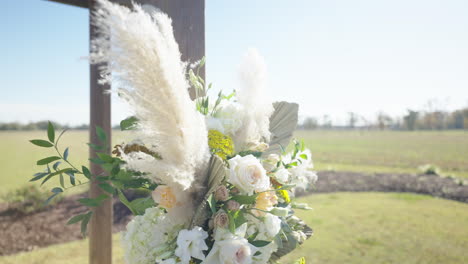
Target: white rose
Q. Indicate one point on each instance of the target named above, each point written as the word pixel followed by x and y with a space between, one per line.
pixel 230 115
pixel 272 224
pixel 191 243
pixel 248 174
pixel 231 248
pixel 282 175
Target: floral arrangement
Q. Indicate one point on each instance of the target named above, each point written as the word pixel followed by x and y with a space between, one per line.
pixel 221 182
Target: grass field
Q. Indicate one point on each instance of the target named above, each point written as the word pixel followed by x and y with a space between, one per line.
pixel 368 151
pixel 349 228
pixel 388 151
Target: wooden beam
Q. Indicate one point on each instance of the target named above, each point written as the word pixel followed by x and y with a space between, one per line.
pixel 100 232
pixel 188 21
pixel 78 3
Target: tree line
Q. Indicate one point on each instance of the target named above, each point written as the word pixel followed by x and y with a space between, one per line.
pixel 412 120
pixel 39 125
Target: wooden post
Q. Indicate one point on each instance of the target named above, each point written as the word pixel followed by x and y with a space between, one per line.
pixel 100 232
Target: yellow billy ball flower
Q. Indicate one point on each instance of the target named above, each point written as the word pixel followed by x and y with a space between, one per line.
pixel 220 144
pixel 285 195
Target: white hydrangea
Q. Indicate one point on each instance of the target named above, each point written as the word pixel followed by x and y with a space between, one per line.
pixel 301 175
pixel 282 175
pixel 147 237
pixel 266 229
pixel 265 253
pixel 226 119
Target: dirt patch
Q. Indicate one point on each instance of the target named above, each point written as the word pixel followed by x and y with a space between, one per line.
pixel 25 232
pixel 422 184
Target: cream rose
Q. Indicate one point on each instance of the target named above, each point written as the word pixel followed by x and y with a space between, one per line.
pixel 248 174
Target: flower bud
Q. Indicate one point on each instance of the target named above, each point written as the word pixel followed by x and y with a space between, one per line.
pixel 270 162
pixel 221 219
pixel 257 146
pixel 280 211
pixel 221 193
pixel 234 191
pixel 233 205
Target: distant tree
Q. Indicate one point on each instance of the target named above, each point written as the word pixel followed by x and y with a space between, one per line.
pixel 352 119
pixel 326 122
pixel 309 123
pixel 383 120
pixel 411 119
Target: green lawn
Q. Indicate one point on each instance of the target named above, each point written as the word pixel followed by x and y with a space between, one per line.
pixel 349 228
pixel 388 151
pixel 367 151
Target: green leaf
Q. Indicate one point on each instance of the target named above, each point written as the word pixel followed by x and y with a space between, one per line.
pixel 56 164
pixel 84 223
pixel 38 176
pixel 96 147
pixel 51 132
pixel 107 187
pixel 57 190
pixel 212 203
pixel 48 160
pixel 128 123
pixel 101 134
pixel 55 173
pixel 65 154
pixel 42 143
pixel 124 200
pixel 86 172
pixel 232 223
pixel 50 198
pixel 93 202
pixel 260 243
pixel 239 218
pixel 245 199
pixel 62 182
pixel 105 157
pixel 141 204
pixel 76 219
pixel 97 161
pixel 72 177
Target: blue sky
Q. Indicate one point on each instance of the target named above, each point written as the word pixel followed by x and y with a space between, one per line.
pixel 331 56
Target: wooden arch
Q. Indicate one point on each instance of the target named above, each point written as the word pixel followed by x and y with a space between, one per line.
pixel 188 19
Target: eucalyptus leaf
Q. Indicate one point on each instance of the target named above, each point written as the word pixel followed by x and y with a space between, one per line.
pixel 48 160
pixel 65 154
pixel 42 143
pixel 51 132
pixel 86 172
pixel 84 223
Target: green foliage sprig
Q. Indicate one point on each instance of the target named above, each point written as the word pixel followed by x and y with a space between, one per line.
pixel 114 181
